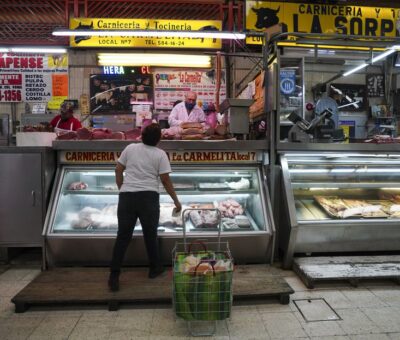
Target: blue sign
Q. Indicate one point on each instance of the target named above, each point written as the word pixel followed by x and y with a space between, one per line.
pixel 287 82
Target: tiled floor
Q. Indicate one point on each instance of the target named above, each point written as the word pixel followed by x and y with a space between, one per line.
pixel 371 311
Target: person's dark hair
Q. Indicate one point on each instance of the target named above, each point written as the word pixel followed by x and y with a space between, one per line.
pixel 151 134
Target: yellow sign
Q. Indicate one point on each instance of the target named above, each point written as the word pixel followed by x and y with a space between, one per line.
pixel 55 102
pixel 144 24
pixel 321 18
pixel 346 132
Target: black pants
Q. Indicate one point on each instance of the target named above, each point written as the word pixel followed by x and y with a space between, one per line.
pixel 144 205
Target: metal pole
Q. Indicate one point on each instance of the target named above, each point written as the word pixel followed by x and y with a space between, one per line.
pixel 270 121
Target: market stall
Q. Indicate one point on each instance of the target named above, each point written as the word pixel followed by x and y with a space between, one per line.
pixel 339 202
pixel 333 92
pixel 231 176
pixel 321 167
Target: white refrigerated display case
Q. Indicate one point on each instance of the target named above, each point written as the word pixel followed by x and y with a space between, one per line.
pixel 339 202
pixel 82 223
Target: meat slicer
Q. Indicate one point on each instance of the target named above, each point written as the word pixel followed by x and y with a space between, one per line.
pixel 321 128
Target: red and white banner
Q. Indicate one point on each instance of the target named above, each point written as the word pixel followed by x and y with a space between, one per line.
pixel 33 77
pixel 172 85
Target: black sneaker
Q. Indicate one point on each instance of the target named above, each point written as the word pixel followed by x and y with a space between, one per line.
pixel 113 282
pixel 154 272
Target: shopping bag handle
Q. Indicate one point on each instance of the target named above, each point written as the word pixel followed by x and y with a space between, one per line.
pixel 210 262
pixel 196 242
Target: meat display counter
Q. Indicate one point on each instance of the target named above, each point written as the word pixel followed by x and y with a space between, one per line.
pixel 343 202
pixel 82 222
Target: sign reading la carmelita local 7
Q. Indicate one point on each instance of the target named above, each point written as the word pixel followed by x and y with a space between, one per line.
pixel 34 77
pixel 321 18
pixel 144 24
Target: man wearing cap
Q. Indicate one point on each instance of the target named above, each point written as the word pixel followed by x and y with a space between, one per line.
pixel 65 121
pixel 186 111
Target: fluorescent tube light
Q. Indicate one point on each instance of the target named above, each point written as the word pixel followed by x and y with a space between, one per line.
pixel 151 33
pixel 359 67
pixel 37 49
pixel 379 57
pixel 383 55
pixel 153 59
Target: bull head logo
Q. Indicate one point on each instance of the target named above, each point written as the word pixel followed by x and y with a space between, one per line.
pixel 266 17
pixel 78 39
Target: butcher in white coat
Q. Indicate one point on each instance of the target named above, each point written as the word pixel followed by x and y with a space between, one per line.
pixel 186 111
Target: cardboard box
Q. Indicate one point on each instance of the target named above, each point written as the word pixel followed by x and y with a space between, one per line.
pixel 35 138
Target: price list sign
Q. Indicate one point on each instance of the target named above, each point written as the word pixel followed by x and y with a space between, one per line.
pixel 10 87
pixel 30 77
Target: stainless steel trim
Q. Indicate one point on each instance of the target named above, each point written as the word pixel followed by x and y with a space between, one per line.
pixel 289 192
pixel 261 145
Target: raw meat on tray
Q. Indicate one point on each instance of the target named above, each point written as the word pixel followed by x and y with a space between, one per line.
pixel 77 186
pixel 343 208
pixel 204 218
pixel 230 208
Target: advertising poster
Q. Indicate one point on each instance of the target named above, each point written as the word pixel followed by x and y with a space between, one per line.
pixel 116 93
pixel 34 77
pixel 375 85
pixel 287 83
pixel 172 85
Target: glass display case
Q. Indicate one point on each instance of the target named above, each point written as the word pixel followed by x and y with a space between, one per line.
pixel 88 201
pixel 340 202
pixel 85 203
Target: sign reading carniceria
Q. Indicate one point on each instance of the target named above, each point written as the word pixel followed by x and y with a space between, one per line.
pixel 144 24
pixel 321 18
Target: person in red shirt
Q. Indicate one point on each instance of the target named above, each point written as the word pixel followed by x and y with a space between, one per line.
pixel 65 121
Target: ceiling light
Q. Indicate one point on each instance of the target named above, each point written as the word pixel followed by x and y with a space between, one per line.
pixel 37 49
pixel 383 55
pixel 152 33
pixel 154 59
pixel 359 67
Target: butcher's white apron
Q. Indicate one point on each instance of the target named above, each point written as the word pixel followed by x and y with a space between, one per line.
pixel 58 130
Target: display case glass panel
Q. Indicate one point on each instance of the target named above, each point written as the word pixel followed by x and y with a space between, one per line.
pixel 344 186
pixel 87 200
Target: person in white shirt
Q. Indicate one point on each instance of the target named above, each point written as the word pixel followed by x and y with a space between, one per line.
pixel 145 166
pixel 186 111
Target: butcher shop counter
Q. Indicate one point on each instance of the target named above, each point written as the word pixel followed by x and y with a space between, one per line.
pixel 339 202
pixel 81 224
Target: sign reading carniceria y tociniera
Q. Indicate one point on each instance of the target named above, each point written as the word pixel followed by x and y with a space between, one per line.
pixel 144 24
